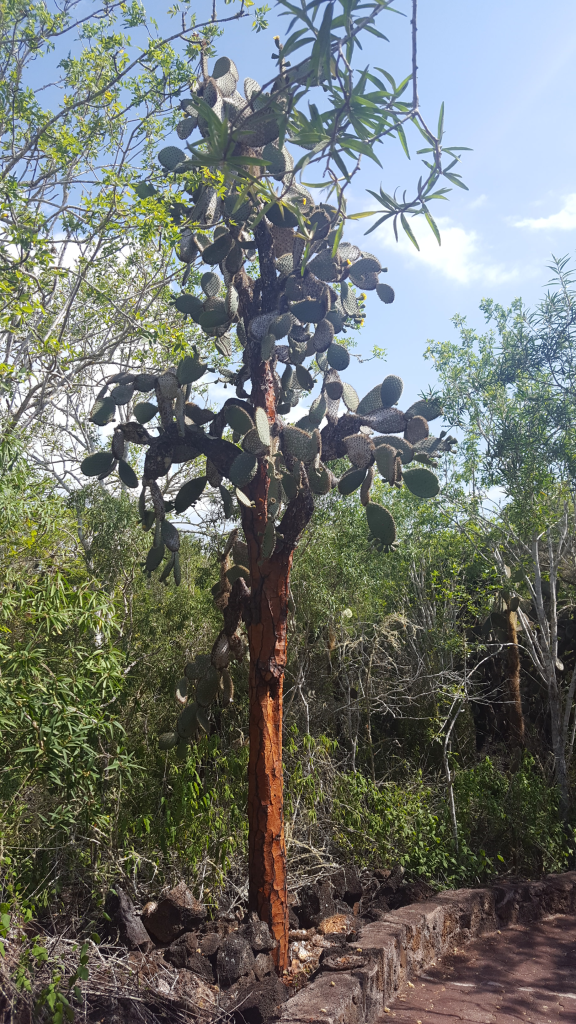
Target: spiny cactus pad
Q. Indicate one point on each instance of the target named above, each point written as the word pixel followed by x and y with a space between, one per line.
pixel 351 481
pixel 127 474
pixel 381 523
pixel 189 493
pixel 243 469
pixel 416 429
pixel 430 409
pixel 299 444
pixel 237 418
pixel 338 357
pixel 371 402
pixel 391 390
pixel 99 462
pixel 385 460
pixel 103 411
pixel 422 482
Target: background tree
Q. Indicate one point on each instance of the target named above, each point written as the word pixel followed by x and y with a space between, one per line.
pixel 278 469
pixel 511 391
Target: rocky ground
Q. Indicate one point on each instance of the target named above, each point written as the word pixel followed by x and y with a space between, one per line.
pixel 223 967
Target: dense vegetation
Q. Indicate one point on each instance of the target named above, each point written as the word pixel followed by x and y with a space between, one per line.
pixel 385 656
pixel 429 695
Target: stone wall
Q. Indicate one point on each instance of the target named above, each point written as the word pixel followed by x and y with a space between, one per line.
pixel 403 942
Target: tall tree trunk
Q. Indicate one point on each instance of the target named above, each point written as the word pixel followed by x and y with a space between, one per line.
pixel 515 714
pixel 267 893
pixel 266 620
pixel 558 747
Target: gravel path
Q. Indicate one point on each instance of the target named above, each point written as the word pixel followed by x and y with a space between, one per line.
pixel 524 974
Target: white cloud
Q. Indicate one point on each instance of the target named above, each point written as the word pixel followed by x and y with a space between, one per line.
pixel 479 201
pixel 564 220
pixel 459 257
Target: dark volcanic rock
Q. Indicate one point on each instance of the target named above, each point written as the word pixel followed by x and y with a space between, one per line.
pixel 210 944
pixel 234 958
pixel 254 1004
pixel 316 902
pixel 258 935
pixel 185 952
pixel 263 965
pixel 226 923
pixel 293 919
pixel 347 885
pixel 132 932
pixel 179 911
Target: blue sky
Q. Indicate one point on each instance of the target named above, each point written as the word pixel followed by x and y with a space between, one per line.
pixel 505 70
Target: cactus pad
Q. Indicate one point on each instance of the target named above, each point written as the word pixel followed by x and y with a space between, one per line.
pixel 430 409
pixel 399 444
pixel 359 449
pixel 243 469
pixel 371 402
pixel 381 523
pixel 323 335
pixel 187 723
pixel 189 304
pixel 385 456
pixel 319 479
pixel 170 157
pixel 103 411
pixel 237 418
pixel 351 481
pixel 167 740
pixel 210 283
pixel 99 462
pixel 309 311
pixel 317 410
pixel 338 357
pixel 349 397
pixel 122 393
pixel 299 444
pixel 385 421
pixel 385 292
pixel 145 411
pixel 422 482
pixel 170 535
pixel 416 429
pixel 190 369
pixel 127 474
pixel 189 493
pixel 391 390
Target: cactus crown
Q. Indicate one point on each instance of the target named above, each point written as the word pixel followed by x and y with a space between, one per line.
pixel 309 277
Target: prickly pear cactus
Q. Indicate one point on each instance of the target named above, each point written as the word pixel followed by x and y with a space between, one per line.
pixel 287 322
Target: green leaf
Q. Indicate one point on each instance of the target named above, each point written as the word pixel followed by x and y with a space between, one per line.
pixel 432 224
pixel 408 231
pixel 455 179
pixel 440 131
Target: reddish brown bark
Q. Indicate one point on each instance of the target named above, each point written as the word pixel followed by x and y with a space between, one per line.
pixel 267 851
pixel 267 639
pixel 515 714
pixel 265 618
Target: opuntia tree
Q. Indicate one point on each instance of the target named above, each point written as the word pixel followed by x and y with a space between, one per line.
pixel 307 288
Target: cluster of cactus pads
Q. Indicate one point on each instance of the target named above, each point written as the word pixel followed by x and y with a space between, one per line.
pixel 309 279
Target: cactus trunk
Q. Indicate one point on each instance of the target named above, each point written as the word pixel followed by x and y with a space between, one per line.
pixel 267 851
